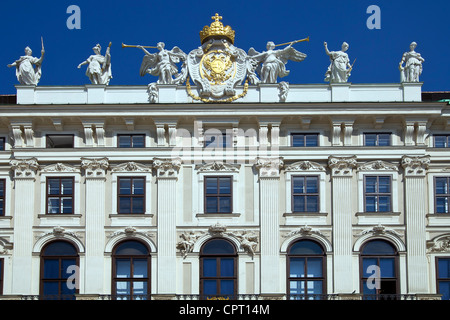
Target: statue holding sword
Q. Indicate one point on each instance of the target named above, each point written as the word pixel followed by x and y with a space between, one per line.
pixel 25 72
pixel 99 66
pixel 339 68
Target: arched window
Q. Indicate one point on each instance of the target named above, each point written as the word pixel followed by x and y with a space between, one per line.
pixel 306 270
pixel 379 269
pixel 131 271
pixel 218 269
pixel 59 267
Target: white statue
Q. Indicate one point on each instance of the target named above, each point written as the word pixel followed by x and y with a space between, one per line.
pixel 413 65
pixel 339 68
pixel 273 61
pixel 99 67
pixel 25 72
pixel 163 64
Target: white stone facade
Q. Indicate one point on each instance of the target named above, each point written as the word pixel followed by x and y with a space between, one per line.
pixel 261 163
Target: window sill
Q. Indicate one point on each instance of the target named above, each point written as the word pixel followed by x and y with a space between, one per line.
pixel 306 218
pixel 218 215
pixel 438 219
pixel 52 219
pixel 135 219
pixel 388 217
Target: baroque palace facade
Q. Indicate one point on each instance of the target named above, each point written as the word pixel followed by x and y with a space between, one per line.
pixel 272 191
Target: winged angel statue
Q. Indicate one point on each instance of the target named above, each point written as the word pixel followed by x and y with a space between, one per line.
pixel 273 61
pixel 163 64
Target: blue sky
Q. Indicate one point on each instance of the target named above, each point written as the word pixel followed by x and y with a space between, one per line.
pixel 177 23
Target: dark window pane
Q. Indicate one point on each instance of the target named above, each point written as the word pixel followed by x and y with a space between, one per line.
pixel 312 185
pixel 227 267
pixel 314 287
pixel 211 185
pixel 226 287
pixel 66 186
pixel 297 287
pixel 384 185
pixel 138 141
pixel 384 203
pixel 2 144
pixel 371 204
pixel 51 288
pixel 138 205
pixel 441 185
pixel 51 269
pixel 370 139
pixel 66 205
pixel 211 204
pixel 442 205
pixel 124 186
pixel 314 267
pixel 312 203
pixel 371 184
pixel 209 287
pixel 125 205
pixel 124 141
pixel 225 204
pixel 379 247
pixel 53 186
pixel 218 247
pixel 298 140
pixel 209 267
pixel 65 264
pixel 440 141
pixel 140 268
pixel 123 288
pixel 131 248
pixel 138 186
pixel 123 268
pixel 299 204
pixel 311 140
pixel 297 267
pixel 225 185
pixel 367 262
pixel 387 267
pixel 444 289
pixel 384 139
pixel 305 247
pixel 444 268
pixel 298 185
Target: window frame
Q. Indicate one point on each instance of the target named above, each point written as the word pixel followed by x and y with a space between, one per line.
pixel 47 195
pixel 294 133
pixel 377 133
pixel 447 136
pixel 437 272
pixel 115 279
pixel 144 195
pixel 293 177
pixel 446 195
pixel 305 279
pixel 233 255
pixel 378 194
pixel 59 257
pixel 131 135
pixel 4 141
pixel 72 135
pixel 227 137
pixel 396 258
pixel 4 197
pixel 217 195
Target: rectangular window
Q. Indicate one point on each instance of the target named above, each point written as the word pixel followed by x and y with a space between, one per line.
pixel 377 193
pixel 305 194
pixel 131 141
pixel 441 194
pixel 131 195
pixel 218 195
pixel 443 277
pixel 377 139
pixel 2 143
pixel 441 141
pixel 60 195
pixel 218 140
pixel 2 197
pixel 305 139
pixel 60 141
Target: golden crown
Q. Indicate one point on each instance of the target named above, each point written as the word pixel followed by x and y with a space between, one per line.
pixel 217 30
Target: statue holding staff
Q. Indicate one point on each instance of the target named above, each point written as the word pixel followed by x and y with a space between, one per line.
pixel 99 66
pixel 339 68
pixel 25 72
pixel 273 61
pixel 413 65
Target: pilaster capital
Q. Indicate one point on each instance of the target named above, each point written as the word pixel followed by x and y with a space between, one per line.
pixel 269 167
pixel 415 166
pixel 24 168
pixel 342 166
pixel 95 168
pixel 167 168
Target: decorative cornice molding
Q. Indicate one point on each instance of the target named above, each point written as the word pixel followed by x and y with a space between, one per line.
pixel 377 165
pixel 378 230
pixel 304 166
pixel 132 167
pixel 440 244
pixel 59 167
pixel 269 167
pixel 304 231
pixel 24 168
pixel 167 168
pixel 415 166
pixel 342 166
pixel 218 166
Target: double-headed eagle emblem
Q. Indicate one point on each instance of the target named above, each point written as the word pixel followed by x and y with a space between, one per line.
pixel 217 67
